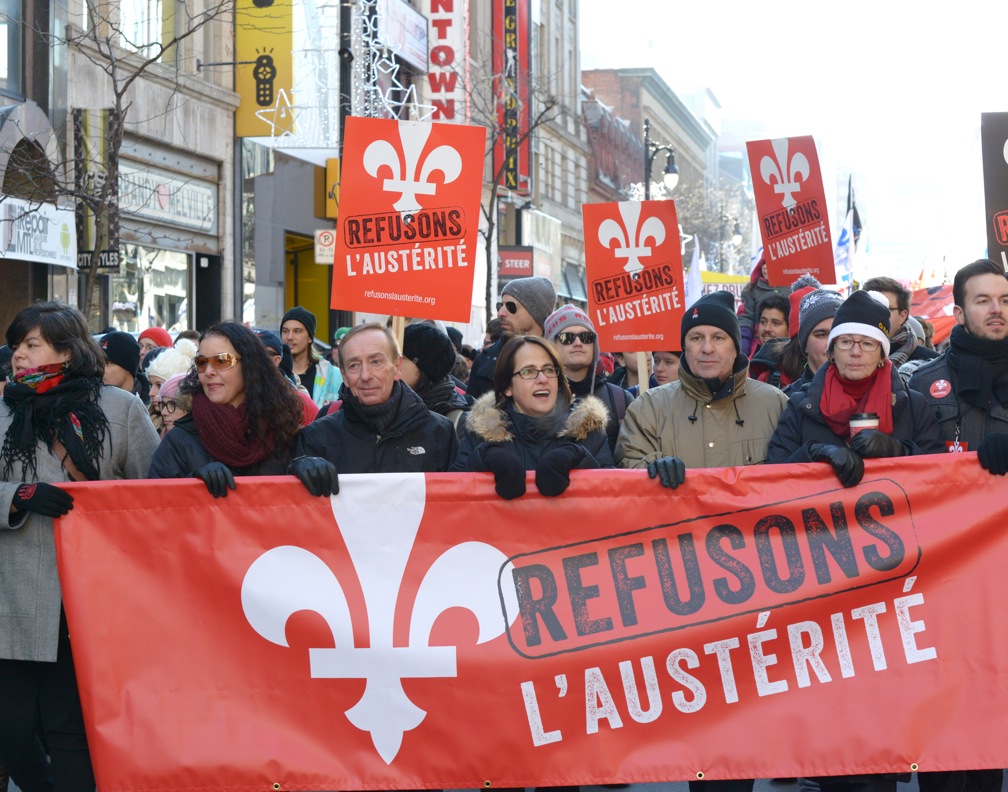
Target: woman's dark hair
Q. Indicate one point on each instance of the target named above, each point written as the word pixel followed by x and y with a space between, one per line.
pixel 791 359
pixel 504 372
pixel 274 408
pixel 65 329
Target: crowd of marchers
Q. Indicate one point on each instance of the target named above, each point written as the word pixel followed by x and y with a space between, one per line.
pixel 797 374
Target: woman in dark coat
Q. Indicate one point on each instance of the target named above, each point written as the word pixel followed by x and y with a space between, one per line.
pixel 528 423
pixel 815 425
pixel 244 418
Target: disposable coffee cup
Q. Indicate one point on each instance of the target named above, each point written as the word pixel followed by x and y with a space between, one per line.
pixel 861 421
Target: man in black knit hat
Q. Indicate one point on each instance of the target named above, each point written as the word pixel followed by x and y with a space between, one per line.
pixel 714 416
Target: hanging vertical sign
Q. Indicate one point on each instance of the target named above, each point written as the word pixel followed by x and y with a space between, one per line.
pixel 635 275
pixel 448 59
pixel 264 76
pixel 994 148
pixel 93 129
pixel 791 206
pixel 511 65
pixel 409 218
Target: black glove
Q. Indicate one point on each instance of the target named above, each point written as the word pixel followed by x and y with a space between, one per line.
pixel 218 478
pixel 847 463
pixel 317 474
pixel 873 444
pixel 508 470
pixel 670 470
pixel 552 474
pixel 993 453
pixel 42 498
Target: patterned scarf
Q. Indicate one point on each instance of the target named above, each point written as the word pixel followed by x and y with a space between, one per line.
pixel 841 398
pixel 902 345
pixel 48 407
pixel 226 434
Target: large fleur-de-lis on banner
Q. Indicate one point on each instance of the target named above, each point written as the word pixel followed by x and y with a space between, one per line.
pixel 379 521
pixel 410 176
pixel 632 237
pixel 782 174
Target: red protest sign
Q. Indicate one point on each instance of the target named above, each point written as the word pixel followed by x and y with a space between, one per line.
pixel 633 260
pixel 791 205
pixel 409 218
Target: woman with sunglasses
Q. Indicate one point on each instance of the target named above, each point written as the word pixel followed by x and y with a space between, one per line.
pixel 59 423
pixel 530 423
pixel 244 416
pixel 857 384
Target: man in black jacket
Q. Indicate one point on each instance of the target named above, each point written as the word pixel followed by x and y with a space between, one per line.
pixel 967 388
pixel 382 425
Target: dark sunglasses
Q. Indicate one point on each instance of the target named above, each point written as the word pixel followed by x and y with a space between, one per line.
pixel 512 307
pixel 585 337
pixel 222 361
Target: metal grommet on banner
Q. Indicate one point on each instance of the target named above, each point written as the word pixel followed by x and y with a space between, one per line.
pixel 276 786
pixel 487 784
pixel 699 775
pixel 913 767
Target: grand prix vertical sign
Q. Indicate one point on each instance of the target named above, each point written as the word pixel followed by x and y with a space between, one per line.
pixel 633 260
pixel 409 218
pixel 512 67
pixel 994 148
pixel 791 205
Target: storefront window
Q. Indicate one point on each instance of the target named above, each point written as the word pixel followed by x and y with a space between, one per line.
pixel 10 48
pixel 151 290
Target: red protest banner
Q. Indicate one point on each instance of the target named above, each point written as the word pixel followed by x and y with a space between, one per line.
pixel 271 639
pixel 409 218
pixel 633 260
pixel 791 205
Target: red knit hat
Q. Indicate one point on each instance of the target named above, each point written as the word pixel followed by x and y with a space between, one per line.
pixel 799 289
pixel 158 335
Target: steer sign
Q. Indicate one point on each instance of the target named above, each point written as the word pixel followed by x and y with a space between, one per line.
pixel 409 217
pixel 635 274
pixel 791 205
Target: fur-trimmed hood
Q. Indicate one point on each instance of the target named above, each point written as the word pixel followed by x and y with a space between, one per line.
pixel 490 423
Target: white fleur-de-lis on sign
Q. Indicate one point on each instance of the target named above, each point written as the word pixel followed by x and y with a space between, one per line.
pixel 632 237
pixel 379 523
pixel 782 174
pixel 410 176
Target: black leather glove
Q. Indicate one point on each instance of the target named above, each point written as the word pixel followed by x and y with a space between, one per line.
pixel 993 453
pixel 218 478
pixel 508 470
pixel 873 444
pixel 552 474
pixel 317 474
pixel 42 498
pixel 847 463
pixel 670 471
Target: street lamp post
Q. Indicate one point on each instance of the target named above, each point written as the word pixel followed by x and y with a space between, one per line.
pixel 651 150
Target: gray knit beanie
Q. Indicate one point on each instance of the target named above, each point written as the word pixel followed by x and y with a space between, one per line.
pixel 817 305
pixel 536 294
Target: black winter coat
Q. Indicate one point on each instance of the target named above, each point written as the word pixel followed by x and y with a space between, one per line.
pixel 417 441
pixel 486 423
pixel 181 453
pixel 481 373
pixel 802 423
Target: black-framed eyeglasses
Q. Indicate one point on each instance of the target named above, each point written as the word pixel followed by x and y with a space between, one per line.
pixel 222 361
pixel 167 405
pixel 511 305
pixel 531 372
pixel 585 337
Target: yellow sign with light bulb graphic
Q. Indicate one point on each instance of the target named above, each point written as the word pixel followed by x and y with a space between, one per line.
pixel 264 75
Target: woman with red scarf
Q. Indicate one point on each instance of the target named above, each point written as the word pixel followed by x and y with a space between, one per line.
pixel 857 379
pixel 58 423
pixel 244 417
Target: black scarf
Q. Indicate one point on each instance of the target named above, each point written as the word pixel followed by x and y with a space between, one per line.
pixel 376 417
pixel 68 412
pixel 537 429
pixel 980 367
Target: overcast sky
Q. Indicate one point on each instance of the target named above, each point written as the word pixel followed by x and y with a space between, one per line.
pixel 892 91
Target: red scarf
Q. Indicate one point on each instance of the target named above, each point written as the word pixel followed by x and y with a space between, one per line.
pixel 224 431
pixel 841 398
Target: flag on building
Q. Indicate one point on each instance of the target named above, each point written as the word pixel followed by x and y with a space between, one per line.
pixel 843 254
pixel 694 285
